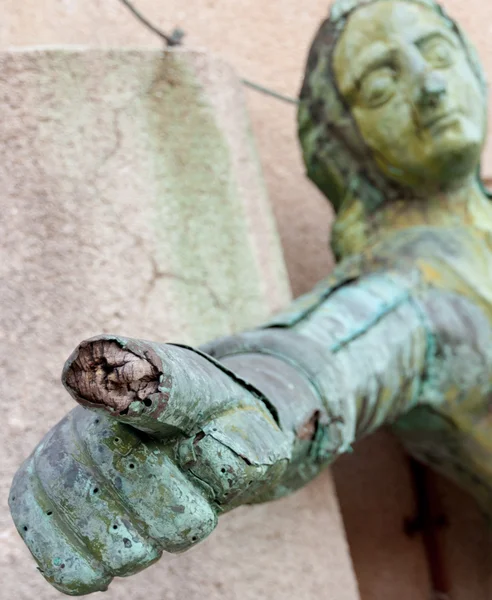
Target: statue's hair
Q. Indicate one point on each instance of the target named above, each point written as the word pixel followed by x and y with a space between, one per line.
pixel 337 158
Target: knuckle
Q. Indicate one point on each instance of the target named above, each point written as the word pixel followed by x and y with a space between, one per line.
pixel 85 503
pixel 61 559
pixel 94 501
pixel 151 487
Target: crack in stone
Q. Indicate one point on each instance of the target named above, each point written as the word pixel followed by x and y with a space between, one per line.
pixel 162 77
pixel 203 284
pixel 113 151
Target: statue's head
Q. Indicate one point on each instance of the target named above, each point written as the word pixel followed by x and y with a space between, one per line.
pixel 393 103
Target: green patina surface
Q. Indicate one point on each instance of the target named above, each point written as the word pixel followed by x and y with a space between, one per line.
pixel 392 120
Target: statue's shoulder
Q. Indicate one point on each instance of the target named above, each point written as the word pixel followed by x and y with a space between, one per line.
pixel 450 259
pixel 345 272
pixel 435 254
pixel 406 247
pixel 443 247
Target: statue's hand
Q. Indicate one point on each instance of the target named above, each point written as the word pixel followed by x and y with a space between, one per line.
pixel 100 497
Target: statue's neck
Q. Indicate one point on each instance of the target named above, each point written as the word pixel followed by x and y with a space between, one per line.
pixel 466 204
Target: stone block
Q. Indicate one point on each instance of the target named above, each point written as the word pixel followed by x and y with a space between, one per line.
pixel 132 202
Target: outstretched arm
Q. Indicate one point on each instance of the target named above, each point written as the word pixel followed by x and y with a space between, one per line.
pixel 363 350
pixel 176 435
pixel 341 363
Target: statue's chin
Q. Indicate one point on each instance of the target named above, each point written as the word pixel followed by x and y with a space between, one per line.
pixel 457 164
pixel 454 153
pixel 443 157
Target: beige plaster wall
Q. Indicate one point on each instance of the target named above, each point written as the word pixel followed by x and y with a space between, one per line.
pixel 267 42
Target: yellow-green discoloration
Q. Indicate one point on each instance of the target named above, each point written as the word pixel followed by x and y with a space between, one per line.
pixel 393 121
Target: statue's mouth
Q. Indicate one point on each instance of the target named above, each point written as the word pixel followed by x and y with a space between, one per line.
pixel 441 121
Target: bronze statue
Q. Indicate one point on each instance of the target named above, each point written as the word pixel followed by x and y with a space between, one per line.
pixel 392 121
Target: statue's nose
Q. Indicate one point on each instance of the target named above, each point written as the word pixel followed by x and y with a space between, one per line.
pixel 432 88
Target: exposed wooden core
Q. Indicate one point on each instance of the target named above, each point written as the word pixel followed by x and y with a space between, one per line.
pixel 105 373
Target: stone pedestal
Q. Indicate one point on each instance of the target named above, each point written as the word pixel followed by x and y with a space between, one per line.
pixel 132 202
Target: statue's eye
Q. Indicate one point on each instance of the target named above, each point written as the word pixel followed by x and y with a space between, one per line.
pixel 378 87
pixel 438 52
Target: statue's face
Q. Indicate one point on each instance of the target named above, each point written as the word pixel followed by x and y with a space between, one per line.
pixel 415 99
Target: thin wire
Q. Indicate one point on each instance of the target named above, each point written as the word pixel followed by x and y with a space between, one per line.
pixel 264 90
pixel 171 40
pixel 175 40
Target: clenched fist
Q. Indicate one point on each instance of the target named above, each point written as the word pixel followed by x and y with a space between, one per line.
pixel 165 441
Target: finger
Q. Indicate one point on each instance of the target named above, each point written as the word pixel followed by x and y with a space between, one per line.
pixel 62 559
pixel 161 389
pixel 148 483
pixel 89 507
